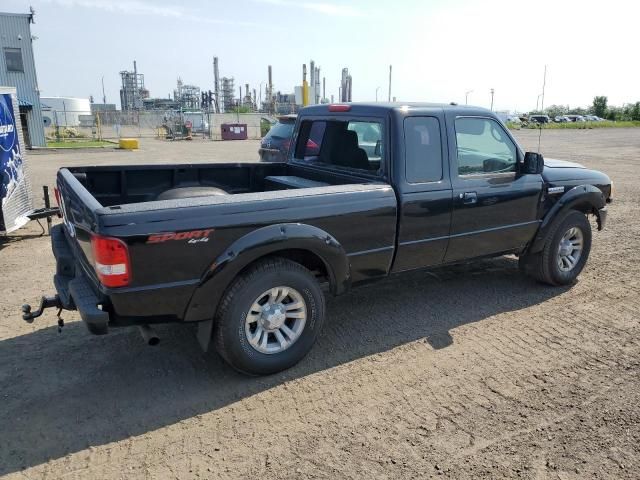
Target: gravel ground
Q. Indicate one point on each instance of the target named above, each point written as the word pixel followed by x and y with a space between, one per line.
pixel 466 372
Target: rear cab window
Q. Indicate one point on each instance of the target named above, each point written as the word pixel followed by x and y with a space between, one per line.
pixel 353 145
pixel 281 130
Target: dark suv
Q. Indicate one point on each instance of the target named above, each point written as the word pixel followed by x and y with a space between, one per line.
pixel 275 144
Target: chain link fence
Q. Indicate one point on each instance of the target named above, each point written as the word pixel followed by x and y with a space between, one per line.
pixel 111 125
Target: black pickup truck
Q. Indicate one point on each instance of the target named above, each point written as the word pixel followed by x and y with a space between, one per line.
pixel 246 250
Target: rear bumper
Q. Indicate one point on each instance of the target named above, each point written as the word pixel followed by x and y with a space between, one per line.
pixel 73 286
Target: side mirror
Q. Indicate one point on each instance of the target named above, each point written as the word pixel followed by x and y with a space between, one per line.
pixel 533 163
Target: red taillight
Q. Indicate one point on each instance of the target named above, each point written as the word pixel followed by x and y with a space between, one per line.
pixel 111 261
pixel 339 108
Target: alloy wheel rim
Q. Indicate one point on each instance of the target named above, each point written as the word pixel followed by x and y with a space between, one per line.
pixel 276 320
pixel 570 249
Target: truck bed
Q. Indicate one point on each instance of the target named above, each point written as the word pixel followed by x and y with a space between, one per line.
pixel 120 185
pixel 258 199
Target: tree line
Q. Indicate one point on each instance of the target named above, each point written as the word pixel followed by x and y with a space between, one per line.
pixel 600 108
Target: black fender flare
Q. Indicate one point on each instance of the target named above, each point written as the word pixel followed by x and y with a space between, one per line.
pixel 257 244
pixel 581 195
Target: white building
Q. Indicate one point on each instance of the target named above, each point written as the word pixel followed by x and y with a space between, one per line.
pixel 64 111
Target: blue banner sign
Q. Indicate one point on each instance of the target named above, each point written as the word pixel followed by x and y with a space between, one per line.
pixel 15 194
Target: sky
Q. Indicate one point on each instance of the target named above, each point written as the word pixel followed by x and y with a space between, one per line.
pixel 440 50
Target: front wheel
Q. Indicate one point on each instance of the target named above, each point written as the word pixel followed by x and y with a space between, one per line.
pixel 565 252
pixel 270 317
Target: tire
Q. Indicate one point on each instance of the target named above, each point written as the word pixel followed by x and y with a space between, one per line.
pixel 233 333
pixel 545 266
pixel 190 192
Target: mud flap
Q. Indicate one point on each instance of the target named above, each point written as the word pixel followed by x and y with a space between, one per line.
pixel 601 217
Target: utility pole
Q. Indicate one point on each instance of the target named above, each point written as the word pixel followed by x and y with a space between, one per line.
pixel 492 92
pixel 104 97
pixel 544 83
pixel 390 68
pixel 466 96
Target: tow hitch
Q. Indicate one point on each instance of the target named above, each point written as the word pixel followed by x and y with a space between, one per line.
pixel 45 302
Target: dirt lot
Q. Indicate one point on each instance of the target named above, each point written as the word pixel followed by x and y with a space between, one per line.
pixel 468 372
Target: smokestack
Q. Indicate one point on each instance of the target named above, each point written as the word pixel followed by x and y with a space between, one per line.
pixel 305 86
pixel 324 88
pixel 216 83
pixel 312 72
pixel 390 67
pixel 343 85
pixel 350 83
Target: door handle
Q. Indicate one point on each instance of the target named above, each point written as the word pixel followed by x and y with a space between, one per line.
pixel 469 197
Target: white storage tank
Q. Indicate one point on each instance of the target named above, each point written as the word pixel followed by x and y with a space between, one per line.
pixel 64 111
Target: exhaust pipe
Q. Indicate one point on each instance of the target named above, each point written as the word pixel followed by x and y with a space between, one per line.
pixel 149 335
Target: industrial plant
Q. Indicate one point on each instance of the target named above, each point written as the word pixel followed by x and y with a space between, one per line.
pixel 226 96
pixel 205 108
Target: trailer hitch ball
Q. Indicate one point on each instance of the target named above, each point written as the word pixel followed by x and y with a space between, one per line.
pixel 45 302
pixel 26 313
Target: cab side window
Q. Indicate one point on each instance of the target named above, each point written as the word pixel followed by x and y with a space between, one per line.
pixel 423 149
pixel 483 147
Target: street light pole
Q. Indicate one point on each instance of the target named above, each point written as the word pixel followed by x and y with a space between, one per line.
pixel 466 96
pixel 492 92
pixel 377 88
pixel 538 101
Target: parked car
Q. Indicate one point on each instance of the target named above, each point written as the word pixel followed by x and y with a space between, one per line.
pixel 274 146
pixel 576 118
pixel 244 249
pixel 512 119
pixel 539 119
pixel 561 119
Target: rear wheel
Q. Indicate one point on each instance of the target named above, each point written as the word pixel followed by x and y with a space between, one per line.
pixel 565 252
pixel 270 317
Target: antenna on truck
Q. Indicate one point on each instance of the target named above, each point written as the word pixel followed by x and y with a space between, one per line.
pixel 544 83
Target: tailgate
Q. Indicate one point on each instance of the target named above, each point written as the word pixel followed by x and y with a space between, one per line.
pixel 78 208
